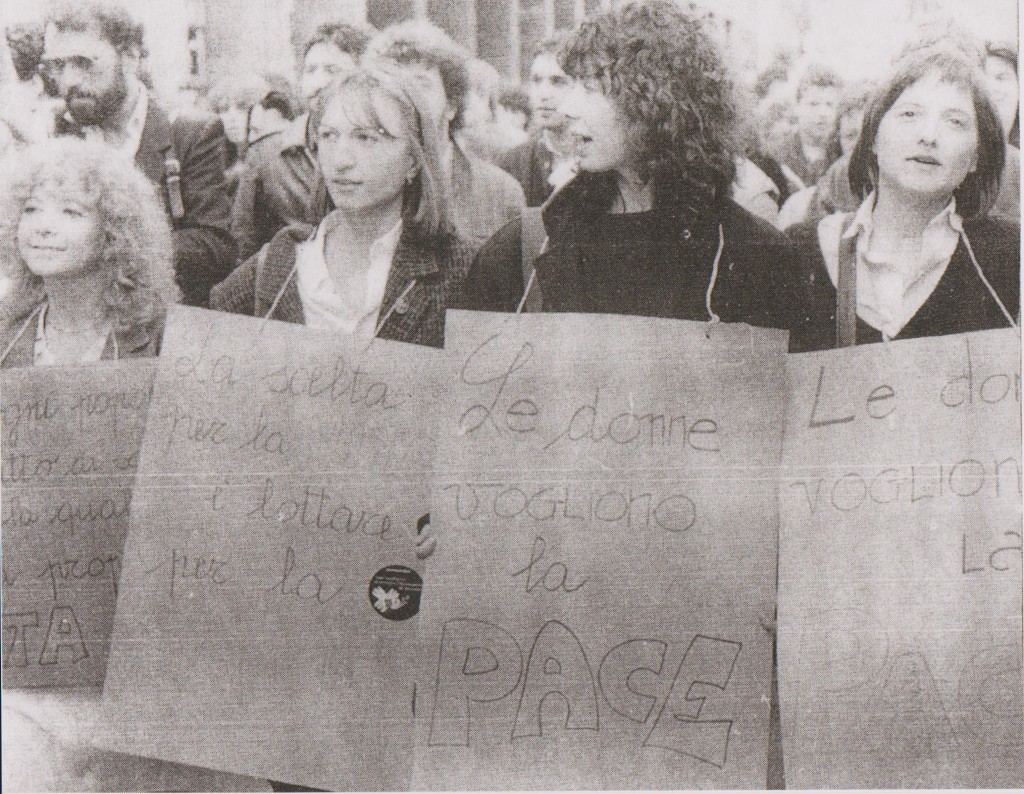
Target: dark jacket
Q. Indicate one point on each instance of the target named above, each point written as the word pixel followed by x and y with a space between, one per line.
pixel 484 198
pixel 790 153
pixel 961 303
pixel 438 268
pixel 204 251
pixel 752 286
pixel 275 189
pixel 20 337
pixel 530 163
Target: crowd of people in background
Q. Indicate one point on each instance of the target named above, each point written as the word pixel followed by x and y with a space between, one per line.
pixel 631 172
pixel 397 176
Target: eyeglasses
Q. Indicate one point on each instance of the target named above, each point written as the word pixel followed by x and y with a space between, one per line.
pixel 81 63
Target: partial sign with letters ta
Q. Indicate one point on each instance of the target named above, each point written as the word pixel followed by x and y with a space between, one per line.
pixel 71 439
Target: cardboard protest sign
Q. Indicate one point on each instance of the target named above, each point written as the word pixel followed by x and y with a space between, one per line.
pixel 70 444
pixel 264 626
pixel 900 566
pixel 602 595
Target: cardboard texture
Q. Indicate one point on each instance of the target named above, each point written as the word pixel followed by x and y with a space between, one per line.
pixel 602 596
pixel 70 443
pixel 900 566
pixel 47 746
pixel 264 625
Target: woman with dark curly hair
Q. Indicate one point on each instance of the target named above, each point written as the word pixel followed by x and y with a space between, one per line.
pixel 921 256
pixel 647 227
pixel 87 250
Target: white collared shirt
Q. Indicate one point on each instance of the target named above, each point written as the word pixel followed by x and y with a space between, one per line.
pixel 889 294
pixel 45 357
pixel 321 301
pixel 129 147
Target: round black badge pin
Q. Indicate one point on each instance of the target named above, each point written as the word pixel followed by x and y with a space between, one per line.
pixel 395 592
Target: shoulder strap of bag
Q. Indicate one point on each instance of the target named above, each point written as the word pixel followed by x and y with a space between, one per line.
pixel 172 184
pixel 532 240
pixel 846 288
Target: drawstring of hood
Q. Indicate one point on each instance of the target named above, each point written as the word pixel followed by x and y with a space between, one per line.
pixel 714 318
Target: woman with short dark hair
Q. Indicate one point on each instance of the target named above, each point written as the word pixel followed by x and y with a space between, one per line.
pixel 647 227
pixel 921 256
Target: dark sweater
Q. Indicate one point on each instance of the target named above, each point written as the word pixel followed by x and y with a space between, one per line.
pixel 961 302
pixel 655 264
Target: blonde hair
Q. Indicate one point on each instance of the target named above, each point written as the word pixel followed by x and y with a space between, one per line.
pixel 426 202
pixel 137 249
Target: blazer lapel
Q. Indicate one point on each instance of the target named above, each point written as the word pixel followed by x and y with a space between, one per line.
pixel 154 144
pixel 274 269
pixel 405 310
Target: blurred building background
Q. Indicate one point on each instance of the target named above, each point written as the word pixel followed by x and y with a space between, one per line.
pixel 193 42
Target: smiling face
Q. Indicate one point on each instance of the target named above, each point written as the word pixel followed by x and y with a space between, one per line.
pixel 547 86
pixel 364 155
pixel 89 73
pixel 59 234
pixel 600 138
pixel 927 142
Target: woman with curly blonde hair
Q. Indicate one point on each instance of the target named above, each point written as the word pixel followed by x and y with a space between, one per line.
pixel 87 248
pixel 648 226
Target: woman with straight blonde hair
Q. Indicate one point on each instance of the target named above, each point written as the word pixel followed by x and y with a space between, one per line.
pixel 380 257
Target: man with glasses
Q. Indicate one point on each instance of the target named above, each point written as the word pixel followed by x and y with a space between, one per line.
pixel 91 53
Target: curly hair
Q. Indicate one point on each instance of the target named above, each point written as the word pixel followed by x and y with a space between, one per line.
pixel 663 71
pixel 111 19
pixel 137 249
pixel 817 76
pixel 350 39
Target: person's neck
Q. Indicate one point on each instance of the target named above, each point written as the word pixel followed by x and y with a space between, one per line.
pixel 809 146
pixel 360 230
pixel 901 216
pixel 635 194
pixel 75 304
